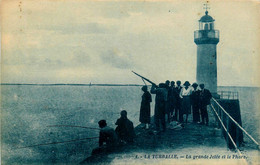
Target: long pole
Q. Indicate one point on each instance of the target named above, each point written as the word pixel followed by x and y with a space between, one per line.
pixel 145 78
pixel 43 144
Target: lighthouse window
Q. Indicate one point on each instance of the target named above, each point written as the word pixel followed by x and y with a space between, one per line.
pixel 211 26
pixel 201 26
pixel 206 27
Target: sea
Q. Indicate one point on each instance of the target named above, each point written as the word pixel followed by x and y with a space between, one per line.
pixel 28 111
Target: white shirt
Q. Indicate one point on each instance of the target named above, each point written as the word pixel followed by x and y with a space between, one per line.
pixel 185 92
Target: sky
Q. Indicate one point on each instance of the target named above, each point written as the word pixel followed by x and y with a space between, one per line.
pixel 68 41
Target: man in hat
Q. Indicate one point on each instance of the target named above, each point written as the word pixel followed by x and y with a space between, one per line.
pixel 205 97
pixel 172 100
pixel 125 128
pixel 107 135
pixel 107 139
pixel 178 104
pixel 185 96
pixel 167 84
pixel 195 100
pixel 160 103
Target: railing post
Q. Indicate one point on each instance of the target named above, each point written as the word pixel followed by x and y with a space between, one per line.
pixel 216 119
pixel 221 117
pixel 237 137
pixel 228 126
pixel 219 112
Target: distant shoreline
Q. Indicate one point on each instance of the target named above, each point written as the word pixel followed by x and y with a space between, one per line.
pixel 63 84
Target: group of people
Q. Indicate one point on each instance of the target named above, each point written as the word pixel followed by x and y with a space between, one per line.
pixel 173 102
pixel 124 133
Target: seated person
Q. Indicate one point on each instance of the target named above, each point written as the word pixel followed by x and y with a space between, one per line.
pixel 125 128
pixel 108 136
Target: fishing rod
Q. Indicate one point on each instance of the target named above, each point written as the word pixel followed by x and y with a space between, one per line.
pixel 144 81
pixel 143 78
pixel 72 126
pixel 43 144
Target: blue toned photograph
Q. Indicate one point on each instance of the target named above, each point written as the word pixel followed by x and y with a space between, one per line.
pixel 130 82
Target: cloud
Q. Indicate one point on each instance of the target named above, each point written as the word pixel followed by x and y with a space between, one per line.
pixel 81 57
pixel 115 10
pixel 87 28
pixel 105 39
pixel 49 58
pixel 117 59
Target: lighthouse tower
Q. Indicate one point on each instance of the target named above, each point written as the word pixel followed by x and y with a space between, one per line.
pixel 206 39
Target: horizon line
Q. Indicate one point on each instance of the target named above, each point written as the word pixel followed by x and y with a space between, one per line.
pixel 70 84
pixel 105 84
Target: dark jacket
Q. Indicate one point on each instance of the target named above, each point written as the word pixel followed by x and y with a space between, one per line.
pixel 125 129
pixel 160 101
pixel 172 96
pixel 145 109
pixel 195 98
pixel 205 97
pixel 107 135
pixel 161 94
pixel 178 89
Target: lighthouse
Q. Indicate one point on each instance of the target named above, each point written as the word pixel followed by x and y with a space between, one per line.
pixel 206 39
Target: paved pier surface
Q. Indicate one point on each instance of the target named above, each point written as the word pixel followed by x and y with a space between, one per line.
pixel 192 144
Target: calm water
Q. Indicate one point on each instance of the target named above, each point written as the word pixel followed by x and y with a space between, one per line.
pixel 28 110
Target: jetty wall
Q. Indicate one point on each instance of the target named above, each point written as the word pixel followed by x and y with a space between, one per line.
pixel 233 108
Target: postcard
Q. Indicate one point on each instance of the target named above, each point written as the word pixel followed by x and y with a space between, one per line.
pixel 130 82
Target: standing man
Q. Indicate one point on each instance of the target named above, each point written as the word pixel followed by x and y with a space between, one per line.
pixel 172 100
pixel 145 109
pixel 185 97
pixel 178 104
pixel 195 102
pixel 205 97
pixel 160 102
pixel 167 104
pixel 167 84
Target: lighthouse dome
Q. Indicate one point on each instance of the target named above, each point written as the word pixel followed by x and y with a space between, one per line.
pixel 206 18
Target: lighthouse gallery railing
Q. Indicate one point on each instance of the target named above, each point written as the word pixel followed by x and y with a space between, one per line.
pixel 206 34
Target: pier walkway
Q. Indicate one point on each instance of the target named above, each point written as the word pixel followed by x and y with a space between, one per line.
pixel 191 144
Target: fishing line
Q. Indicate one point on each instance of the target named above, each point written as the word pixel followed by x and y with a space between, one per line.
pixel 72 126
pixel 57 142
pixel 144 81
